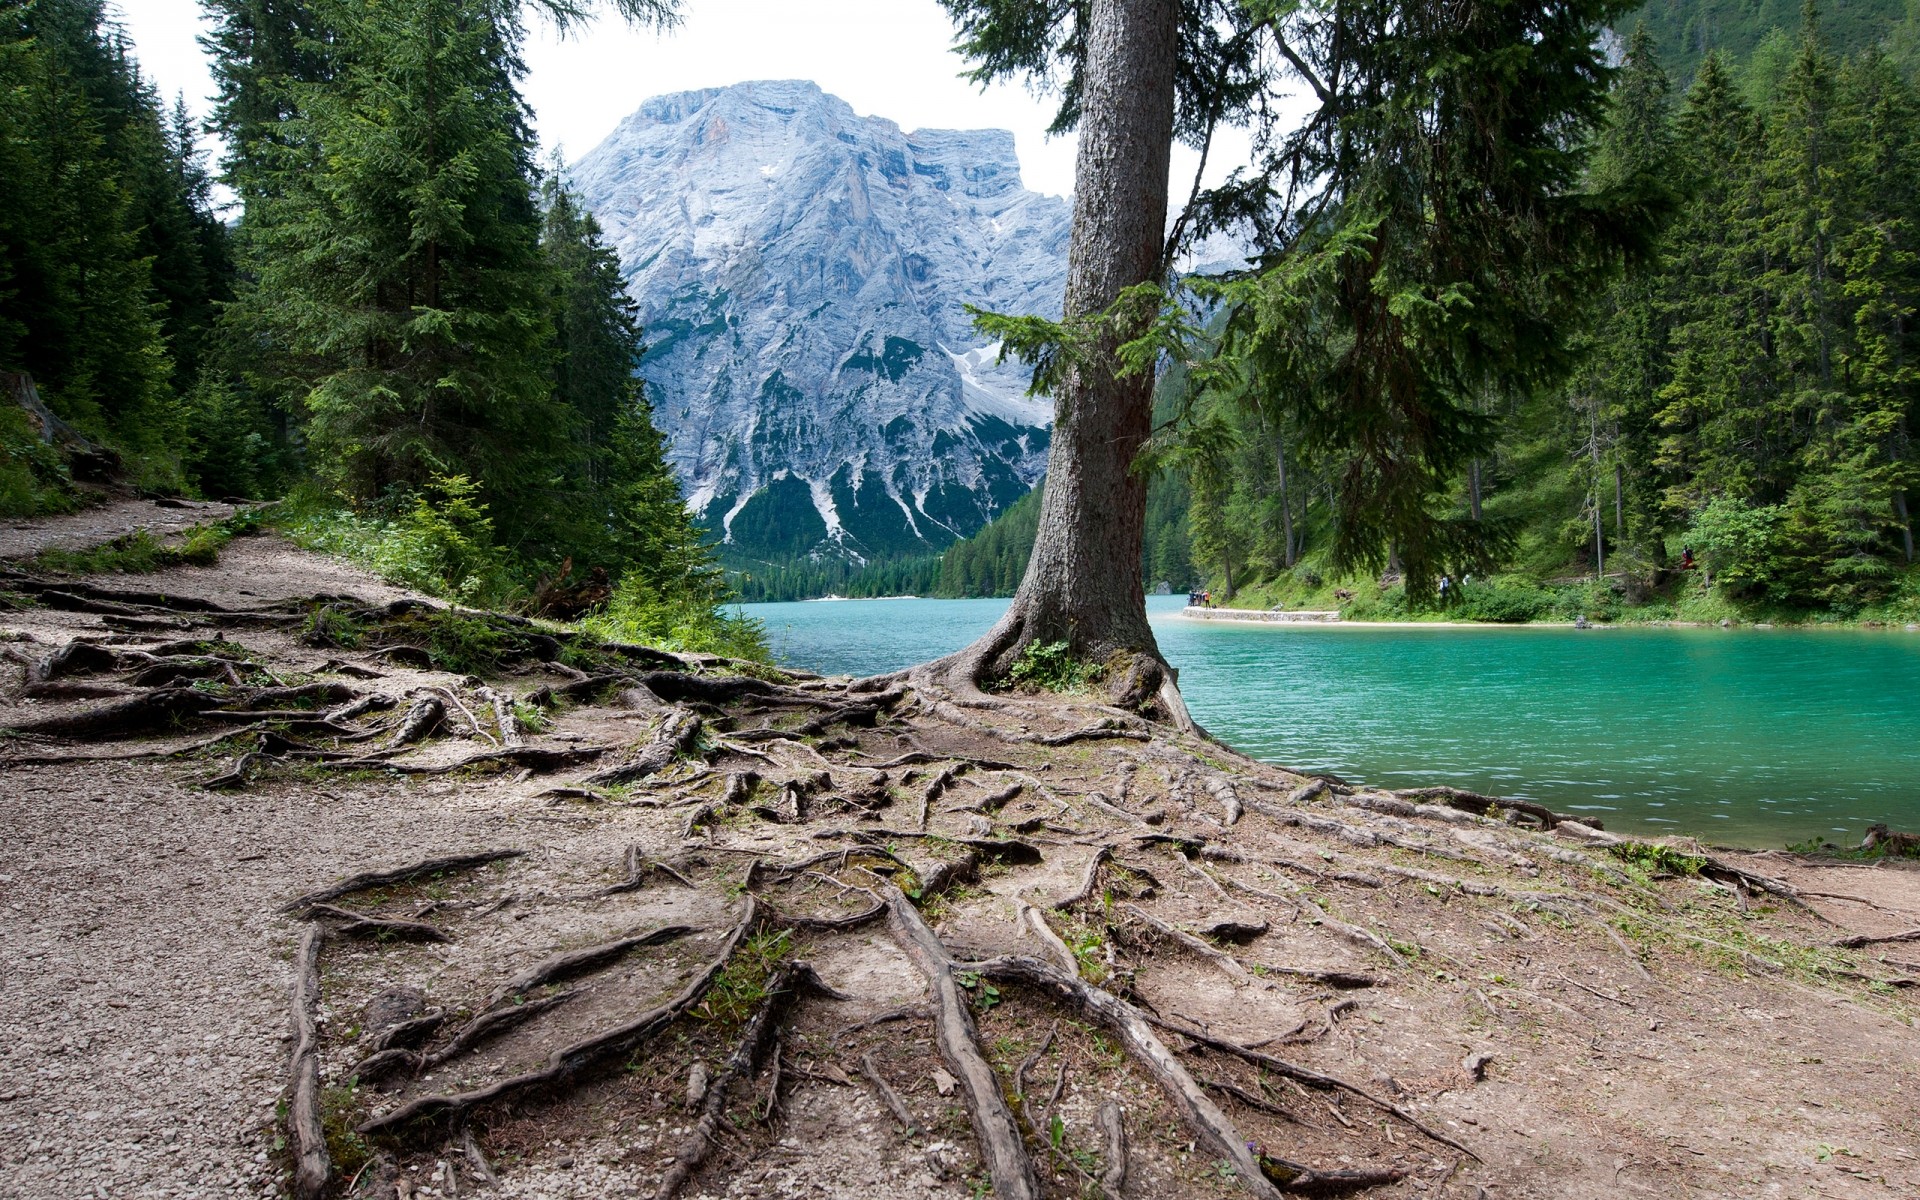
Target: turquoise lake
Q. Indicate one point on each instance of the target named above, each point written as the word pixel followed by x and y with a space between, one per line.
pixel 1744 737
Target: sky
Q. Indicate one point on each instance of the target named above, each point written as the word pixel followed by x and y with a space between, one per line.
pixel 887 58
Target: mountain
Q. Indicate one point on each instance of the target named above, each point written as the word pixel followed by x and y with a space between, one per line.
pixel 803 273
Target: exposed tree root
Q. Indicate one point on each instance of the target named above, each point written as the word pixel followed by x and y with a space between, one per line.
pixel 1300 1074
pixel 1002 1150
pixel 888 1097
pixel 678 731
pixel 785 984
pixel 538 759
pixel 1113 1130
pixel 304 1129
pixel 148 712
pixel 361 925
pixel 1257 1173
pixel 1089 880
pixel 406 874
pixel 574 963
pixel 490 1024
pixel 423 717
pixel 1854 943
pixel 569 1062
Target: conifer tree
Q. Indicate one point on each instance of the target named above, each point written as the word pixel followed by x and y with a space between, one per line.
pixel 1625 343
pixel 395 248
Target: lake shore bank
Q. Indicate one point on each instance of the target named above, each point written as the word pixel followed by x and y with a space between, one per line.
pixel 1314 618
pixel 1424 964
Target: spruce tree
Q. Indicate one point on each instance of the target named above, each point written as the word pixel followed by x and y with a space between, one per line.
pixel 394 241
pixel 1625 340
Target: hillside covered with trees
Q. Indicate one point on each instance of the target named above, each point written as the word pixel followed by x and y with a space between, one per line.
pixel 1745 391
pixel 406 324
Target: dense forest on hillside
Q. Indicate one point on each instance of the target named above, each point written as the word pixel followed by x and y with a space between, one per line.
pixel 408 324
pixel 1746 394
pixel 415 332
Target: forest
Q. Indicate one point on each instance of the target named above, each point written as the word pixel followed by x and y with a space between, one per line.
pixel 1740 397
pixel 409 331
pixel 407 327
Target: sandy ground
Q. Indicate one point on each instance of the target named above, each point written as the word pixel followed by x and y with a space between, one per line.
pixel 144 975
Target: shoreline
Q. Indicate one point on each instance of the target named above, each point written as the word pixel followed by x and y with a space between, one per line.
pixel 1296 619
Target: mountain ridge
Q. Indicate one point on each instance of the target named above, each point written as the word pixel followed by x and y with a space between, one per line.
pixel 804 275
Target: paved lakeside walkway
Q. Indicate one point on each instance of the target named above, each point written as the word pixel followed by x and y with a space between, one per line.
pixel 1275 616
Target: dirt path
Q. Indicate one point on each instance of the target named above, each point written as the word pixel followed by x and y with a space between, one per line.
pixel 1647 1030
pixel 102 523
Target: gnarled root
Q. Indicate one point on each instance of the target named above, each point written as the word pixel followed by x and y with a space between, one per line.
pixel 678 731
pixel 148 712
pixel 571 1062
pixel 1257 1173
pixel 406 874
pixel 1002 1149
pixel 785 984
pixel 310 1162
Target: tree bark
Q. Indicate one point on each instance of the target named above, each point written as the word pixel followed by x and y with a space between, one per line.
pixel 1082 585
pixel 1619 502
pixel 1906 523
pixel 1286 505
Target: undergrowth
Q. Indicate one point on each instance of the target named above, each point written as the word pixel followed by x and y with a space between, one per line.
pixel 740 987
pixel 442 542
pixel 1051 667
pixel 140 553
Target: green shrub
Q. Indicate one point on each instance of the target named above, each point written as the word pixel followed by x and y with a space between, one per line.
pixel 439 542
pixel 33 479
pixel 687 622
pixel 1051 667
pixel 1502 601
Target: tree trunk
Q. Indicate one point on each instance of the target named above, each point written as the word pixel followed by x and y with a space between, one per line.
pixel 1286 507
pixel 1082 585
pixel 1599 526
pixel 1619 502
pixel 1906 522
pixel 1473 489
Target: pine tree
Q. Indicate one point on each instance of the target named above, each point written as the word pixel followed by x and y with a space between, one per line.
pixel 1625 342
pixel 81 291
pixel 1721 341
pixel 394 240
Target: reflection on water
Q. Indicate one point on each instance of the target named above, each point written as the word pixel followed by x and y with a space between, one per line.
pixel 1744 736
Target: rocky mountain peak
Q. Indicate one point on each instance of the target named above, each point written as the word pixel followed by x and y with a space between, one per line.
pixel 804 274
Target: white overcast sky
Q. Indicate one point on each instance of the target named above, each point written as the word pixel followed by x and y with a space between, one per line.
pixel 887 58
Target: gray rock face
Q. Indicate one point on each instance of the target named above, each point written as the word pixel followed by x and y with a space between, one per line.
pixel 804 273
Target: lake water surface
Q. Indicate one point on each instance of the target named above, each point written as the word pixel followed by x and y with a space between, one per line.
pixel 1749 737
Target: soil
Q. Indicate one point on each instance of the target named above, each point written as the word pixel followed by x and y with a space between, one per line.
pixel 1587 1016
pixel 24 538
